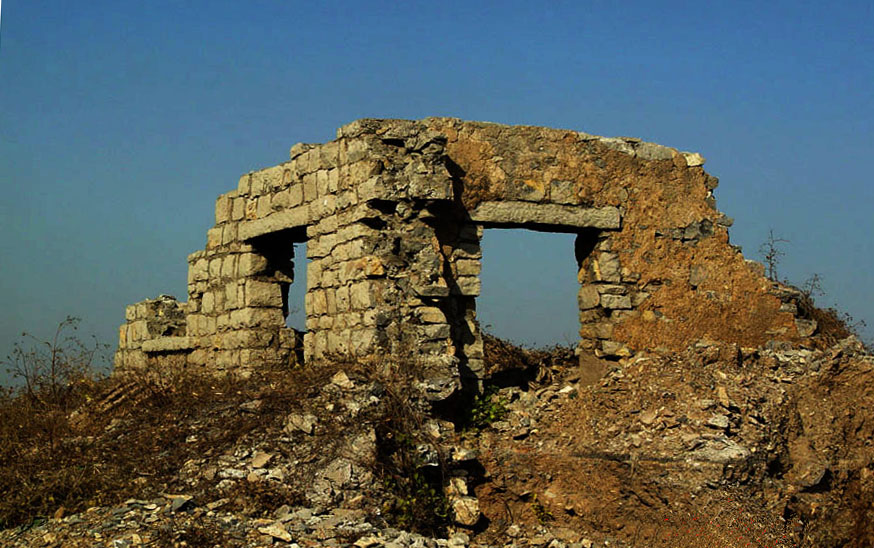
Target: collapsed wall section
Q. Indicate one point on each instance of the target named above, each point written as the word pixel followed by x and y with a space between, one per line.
pixel 392 212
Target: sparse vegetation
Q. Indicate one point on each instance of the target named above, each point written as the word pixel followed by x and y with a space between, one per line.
pixel 541 512
pixel 772 254
pixel 485 409
pixel 416 498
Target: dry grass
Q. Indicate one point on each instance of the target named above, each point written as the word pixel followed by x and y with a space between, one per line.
pixel 128 439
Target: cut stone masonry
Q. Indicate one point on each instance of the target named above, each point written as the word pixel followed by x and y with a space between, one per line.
pixel 393 212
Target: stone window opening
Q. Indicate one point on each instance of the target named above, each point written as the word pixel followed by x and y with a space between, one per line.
pixel 515 262
pixel 284 277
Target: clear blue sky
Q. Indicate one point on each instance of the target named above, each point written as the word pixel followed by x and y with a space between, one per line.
pixel 120 122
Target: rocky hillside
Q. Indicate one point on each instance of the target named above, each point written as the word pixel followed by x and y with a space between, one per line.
pixel 716 445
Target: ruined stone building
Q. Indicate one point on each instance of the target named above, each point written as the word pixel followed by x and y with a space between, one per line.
pixel 393 211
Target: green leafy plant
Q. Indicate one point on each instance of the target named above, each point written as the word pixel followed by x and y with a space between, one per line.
pixel 415 498
pixel 485 409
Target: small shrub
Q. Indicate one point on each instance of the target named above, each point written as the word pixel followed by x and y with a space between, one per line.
pixel 485 409
pixel 415 498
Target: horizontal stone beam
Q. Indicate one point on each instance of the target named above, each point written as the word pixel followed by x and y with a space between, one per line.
pixel 290 218
pixel 522 213
pixel 168 344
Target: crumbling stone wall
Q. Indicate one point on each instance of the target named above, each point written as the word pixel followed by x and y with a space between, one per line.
pixel 393 211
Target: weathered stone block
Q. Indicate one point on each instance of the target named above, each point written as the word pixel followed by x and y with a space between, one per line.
pixel 588 297
pixel 250 264
pixel 263 294
pixel 223 209
pixel 468 267
pixel 615 301
pixel 251 209
pixel 598 330
pixel 245 185
pixel 238 209
pixel 213 238
pixel 257 317
pixel 208 302
pixel 469 285
pixel 607 267
pixel 430 314
pixel 342 299
pixel 318 302
pixel 229 264
pixel 231 300
pixel 361 295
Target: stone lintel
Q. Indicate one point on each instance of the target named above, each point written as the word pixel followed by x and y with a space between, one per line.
pixel 517 212
pixel 290 218
pixel 168 344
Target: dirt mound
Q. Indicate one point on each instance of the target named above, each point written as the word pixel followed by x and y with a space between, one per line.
pixel 714 446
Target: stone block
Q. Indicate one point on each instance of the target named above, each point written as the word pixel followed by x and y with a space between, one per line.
pixel 361 341
pixel 215 269
pixel 310 191
pixel 469 285
pixel 435 331
pixel 526 190
pixel 693 159
pixel 613 348
pixel 341 298
pixel 263 207
pixel 652 151
pixel 208 302
pixel 361 295
pixel 331 301
pixel 229 264
pixel 295 194
pixel 223 209
pixel 229 233
pixel 251 209
pixel 607 267
pixel 337 343
pixel 245 185
pixel 263 294
pixel 326 323
pixel 281 200
pixel 251 264
pixel 213 237
pixel 528 213
pixel 588 297
pixel 238 209
pixel 468 267
pixel 430 314
pixel 333 180
pixel 231 300
pixel 598 330
pixel 365 267
pixel 615 302
pixel 200 270
pixel 562 192
pixel 257 317
pixel 318 303
pixel 329 154
pixel 612 289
